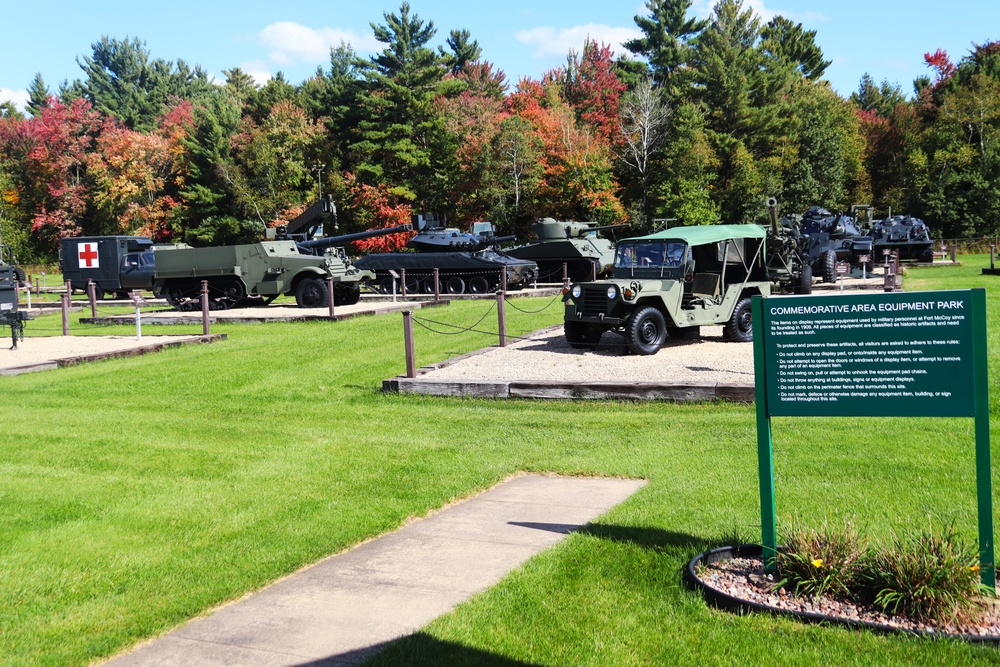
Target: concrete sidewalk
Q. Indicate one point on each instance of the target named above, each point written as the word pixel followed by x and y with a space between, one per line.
pixel 342 609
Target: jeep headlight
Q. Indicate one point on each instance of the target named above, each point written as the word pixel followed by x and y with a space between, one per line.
pixel 576 292
pixel 613 292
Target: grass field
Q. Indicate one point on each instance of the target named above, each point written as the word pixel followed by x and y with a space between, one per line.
pixel 137 493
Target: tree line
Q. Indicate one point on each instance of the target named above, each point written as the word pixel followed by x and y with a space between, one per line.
pixel 698 121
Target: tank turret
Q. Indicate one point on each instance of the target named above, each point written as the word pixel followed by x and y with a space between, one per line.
pixel 573 244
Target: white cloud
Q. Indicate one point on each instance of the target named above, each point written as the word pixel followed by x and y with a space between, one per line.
pixel 289 43
pixel 557 42
pixel 703 9
pixel 18 97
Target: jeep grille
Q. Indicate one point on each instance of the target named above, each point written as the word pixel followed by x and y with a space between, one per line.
pixel 594 300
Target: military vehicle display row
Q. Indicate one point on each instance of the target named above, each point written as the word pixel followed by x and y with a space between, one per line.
pixel 673 282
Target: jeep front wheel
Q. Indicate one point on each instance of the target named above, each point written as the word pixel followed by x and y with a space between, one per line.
pixel 645 331
pixel 740 325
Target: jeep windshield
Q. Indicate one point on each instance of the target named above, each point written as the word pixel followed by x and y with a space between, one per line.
pixel 650 259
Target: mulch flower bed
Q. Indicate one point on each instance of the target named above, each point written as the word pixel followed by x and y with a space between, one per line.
pixel 743 579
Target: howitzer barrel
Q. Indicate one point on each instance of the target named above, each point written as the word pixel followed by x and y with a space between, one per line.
pixel 343 239
pixel 772 212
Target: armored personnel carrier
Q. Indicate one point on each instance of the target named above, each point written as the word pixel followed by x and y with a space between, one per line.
pixel 467 262
pixel 575 244
pixel 829 238
pixel 907 236
pixel 257 273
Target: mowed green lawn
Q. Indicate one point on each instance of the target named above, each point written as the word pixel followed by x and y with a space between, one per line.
pixel 138 493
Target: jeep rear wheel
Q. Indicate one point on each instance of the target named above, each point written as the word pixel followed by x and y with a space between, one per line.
pixel 739 328
pixel 645 331
pixel 582 336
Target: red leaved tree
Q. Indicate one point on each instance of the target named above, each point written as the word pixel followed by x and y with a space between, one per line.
pixel 374 207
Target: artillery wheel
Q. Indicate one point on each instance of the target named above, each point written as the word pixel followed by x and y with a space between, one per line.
pixel 805 285
pixel 645 331
pixel 454 285
pixel 581 335
pixel 830 266
pixel 479 285
pixel 346 294
pixel 739 328
pixel 312 293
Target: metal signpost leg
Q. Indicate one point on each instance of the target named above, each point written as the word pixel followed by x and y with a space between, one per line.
pixel 138 324
pixel 984 476
pixel 765 449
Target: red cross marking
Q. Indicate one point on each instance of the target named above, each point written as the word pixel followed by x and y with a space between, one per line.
pixel 88 254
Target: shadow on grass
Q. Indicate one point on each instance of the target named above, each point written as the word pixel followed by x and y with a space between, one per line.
pixel 418 649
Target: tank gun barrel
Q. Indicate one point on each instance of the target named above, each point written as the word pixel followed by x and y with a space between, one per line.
pixel 608 228
pixel 315 245
pixel 494 240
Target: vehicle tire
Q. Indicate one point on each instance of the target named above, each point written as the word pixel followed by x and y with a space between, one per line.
pixel 312 293
pixel 582 336
pixel 346 294
pixel 385 285
pixel 829 260
pixel 22 278
pixel 479 285
pixel 805 285
pixel 645 331
pixel 927 255
pixel 739 328
pixel 454 285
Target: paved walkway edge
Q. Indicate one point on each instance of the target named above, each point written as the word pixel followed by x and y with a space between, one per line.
pixel 343 609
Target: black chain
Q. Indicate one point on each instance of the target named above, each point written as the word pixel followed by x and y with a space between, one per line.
pixel 531 312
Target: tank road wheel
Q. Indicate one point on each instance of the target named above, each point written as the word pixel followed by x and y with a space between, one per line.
pixel 739 328
pixel 233 292
pixel 582 336
pixel 346 294
pixel 829 266
pixel 429 285
pixel 805 285
pixel 479 285
pixel 412 285
pixel 175 297
pixel 312 293
pixel 645 331
pixel 454 285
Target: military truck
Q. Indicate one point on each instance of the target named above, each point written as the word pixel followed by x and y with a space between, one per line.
pixel 675 281
pixel 116 264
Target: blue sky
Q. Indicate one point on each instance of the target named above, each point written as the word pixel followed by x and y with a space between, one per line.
pixel 524 38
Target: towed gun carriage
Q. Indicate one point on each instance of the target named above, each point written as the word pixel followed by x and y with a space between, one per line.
pixel 466 262
pixel 11 278
pixel 575 244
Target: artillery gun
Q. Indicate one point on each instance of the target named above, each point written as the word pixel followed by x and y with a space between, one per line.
pixel 257 273
pixel 465 261
pixel 575 244
pixel 11 278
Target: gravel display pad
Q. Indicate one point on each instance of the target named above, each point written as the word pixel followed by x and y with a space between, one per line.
pixel 39 353
pixel 543 365
pixel 733 578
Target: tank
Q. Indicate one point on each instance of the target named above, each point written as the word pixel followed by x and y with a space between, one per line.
pixel 828 238
pixel 257 273
pixel 908 236
pixel 11 278
pixel 467 262
pixel 575 244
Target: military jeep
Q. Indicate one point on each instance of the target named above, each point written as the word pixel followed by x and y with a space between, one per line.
pixel 672 283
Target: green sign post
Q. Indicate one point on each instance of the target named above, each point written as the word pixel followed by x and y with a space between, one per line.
pixel 917 354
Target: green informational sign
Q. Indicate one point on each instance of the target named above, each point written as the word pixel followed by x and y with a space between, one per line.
pixel 887 354
pixel 919 354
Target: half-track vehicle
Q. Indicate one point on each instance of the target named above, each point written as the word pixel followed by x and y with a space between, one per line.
pixel 575 244
pixel 908 237
pixel 116 264
pixel 11 278
pixel 829 238
pixel 258 273
pixel 467 262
